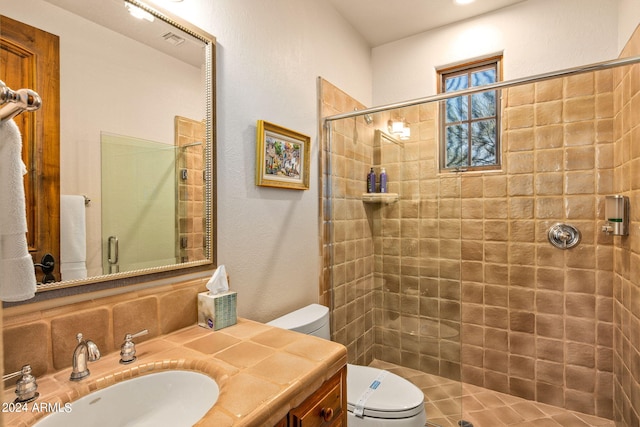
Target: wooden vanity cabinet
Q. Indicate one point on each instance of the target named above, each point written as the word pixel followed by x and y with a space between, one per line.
pixel 326 407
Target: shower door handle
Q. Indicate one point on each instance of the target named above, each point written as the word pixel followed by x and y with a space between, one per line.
pixel 112 250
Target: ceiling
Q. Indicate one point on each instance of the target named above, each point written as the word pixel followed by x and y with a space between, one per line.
pixel 113 15
pixel 384 21
pixel 378 21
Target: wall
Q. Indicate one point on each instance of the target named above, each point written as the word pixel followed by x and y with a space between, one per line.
pixel 551 363
pixel 628 18
pixel 536 36
pixel 537 320
pixel 269 57
pixel 464 283
pixel 626 289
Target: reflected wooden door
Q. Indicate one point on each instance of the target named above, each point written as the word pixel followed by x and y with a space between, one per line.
pixel 29 58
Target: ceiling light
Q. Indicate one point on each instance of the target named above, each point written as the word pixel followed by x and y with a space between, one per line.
pixel 463 1
pixel 137 12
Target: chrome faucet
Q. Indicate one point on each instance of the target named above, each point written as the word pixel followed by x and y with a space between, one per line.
pixel 86 351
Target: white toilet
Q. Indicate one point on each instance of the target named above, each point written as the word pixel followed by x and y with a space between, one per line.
pixel 374 397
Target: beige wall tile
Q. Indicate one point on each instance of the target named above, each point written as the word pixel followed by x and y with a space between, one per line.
pixel 578 109
pixel 177 310
pixel 520 117
pixel 131 317
pixel 549 136
pixel 91 323
pixel 579 85
pixel 549 90
pixel 27 345
pixel 548 113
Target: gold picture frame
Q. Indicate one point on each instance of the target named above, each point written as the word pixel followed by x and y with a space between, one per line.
pixel 282 157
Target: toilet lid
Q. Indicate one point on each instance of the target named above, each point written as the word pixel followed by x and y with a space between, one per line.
pixel 393 397
pixel 305 320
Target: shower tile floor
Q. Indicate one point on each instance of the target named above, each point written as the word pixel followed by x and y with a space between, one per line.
pixel 486 408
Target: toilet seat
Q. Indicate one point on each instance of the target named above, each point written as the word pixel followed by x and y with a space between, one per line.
pixel 394 397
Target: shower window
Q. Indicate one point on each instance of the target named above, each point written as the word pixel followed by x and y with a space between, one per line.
pixel 470 136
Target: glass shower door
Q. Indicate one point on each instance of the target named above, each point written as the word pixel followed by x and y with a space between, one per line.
pixel 138 204
pixel 397 255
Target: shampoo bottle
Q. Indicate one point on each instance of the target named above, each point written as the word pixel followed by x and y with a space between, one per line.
pixel 371 182
pixel 383 181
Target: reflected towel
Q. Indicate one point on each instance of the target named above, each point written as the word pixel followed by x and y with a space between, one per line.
pixel 73 239
pixel 17 273
pixel 73 270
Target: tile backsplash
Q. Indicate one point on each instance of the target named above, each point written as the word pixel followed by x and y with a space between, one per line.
pixel 46 338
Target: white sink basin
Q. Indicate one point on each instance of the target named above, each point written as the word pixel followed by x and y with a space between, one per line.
pixel 167 398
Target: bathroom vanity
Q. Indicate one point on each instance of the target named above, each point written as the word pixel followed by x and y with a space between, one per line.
pixel 326 407
pixel 266 375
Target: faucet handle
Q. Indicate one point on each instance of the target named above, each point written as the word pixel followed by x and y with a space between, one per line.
pixel 136 335
pixel 26 386
pixel 128 348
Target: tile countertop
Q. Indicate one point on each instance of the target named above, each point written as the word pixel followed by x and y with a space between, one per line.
pixel 263 372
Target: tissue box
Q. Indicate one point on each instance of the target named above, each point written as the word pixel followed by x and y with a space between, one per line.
pixel 217 311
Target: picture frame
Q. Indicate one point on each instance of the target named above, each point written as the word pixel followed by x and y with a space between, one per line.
pixel 282 157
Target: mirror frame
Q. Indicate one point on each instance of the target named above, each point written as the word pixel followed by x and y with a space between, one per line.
pixel 117 280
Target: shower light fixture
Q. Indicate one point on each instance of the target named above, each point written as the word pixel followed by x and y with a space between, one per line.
pixel 400 128
pixel 137 12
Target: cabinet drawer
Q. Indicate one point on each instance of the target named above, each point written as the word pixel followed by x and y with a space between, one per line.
pixel 323 408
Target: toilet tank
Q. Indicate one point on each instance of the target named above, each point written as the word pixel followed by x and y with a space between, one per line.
pixel 311 320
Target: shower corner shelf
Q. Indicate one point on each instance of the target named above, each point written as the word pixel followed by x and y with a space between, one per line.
pixel 380 197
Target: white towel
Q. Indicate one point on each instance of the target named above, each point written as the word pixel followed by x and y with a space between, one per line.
pixel 73 237
pixel 17 273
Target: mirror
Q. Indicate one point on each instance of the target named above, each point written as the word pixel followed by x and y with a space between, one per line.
pixel 136 137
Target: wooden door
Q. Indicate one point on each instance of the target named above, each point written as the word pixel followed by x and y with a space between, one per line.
pixel 29 58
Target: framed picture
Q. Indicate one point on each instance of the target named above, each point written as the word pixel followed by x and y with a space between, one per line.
pixel 282 157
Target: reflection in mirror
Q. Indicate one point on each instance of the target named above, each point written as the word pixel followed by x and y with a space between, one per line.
pixel 131 107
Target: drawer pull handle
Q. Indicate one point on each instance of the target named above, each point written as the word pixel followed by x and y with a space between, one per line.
pixel 326 414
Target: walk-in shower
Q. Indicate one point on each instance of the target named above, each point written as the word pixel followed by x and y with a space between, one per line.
pixel 452 274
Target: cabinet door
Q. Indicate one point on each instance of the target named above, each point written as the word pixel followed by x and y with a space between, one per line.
pixel 324 408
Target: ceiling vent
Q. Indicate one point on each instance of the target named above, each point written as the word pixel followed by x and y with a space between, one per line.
pixel 173 39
